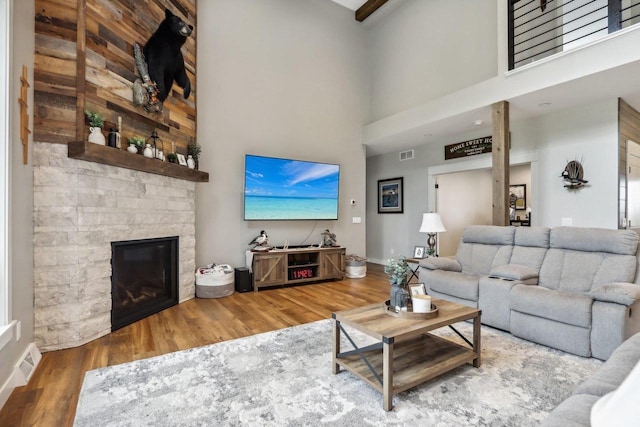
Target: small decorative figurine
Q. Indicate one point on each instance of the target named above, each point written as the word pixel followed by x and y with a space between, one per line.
pixel 329 239
pixel 260 242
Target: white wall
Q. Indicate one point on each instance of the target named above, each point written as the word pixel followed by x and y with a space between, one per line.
pixel 21 197
pixel 588 133
pixel 428 49
pixel 285 79
pixel 390 235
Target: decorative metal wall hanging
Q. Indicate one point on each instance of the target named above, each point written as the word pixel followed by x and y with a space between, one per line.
pixel 573 175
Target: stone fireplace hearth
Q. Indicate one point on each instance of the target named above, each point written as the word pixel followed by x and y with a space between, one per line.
pixel 79 209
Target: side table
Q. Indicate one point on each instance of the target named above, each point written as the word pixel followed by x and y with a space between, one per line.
pixel 414 271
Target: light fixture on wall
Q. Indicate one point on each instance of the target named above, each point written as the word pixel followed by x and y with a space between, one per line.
pixel 431 224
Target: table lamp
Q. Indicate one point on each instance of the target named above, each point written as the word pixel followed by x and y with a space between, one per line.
pixel 431 224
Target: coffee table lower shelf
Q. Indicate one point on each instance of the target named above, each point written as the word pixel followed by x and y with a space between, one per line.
pixel 414 362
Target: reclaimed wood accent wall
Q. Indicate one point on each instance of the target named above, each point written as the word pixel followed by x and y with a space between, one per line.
pixel 84 61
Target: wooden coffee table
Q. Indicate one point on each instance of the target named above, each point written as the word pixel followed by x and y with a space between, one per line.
pixel 406 354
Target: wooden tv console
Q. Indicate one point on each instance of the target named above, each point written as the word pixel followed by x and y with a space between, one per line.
pixel 299 265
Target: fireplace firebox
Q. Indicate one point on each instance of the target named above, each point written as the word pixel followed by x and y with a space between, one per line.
pixel 144 278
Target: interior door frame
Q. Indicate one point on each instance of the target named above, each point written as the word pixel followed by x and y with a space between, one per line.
pixel 485 162
pixel 628 193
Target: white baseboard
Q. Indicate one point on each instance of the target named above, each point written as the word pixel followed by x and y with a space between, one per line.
pixel 22 372
pixel 5 391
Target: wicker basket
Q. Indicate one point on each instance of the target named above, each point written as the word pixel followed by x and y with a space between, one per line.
pixel 356 269
pixel 214 285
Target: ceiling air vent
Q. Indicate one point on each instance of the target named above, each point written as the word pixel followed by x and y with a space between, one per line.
pixel 406 155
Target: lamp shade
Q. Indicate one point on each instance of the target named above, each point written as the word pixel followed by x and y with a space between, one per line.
pixel 431 223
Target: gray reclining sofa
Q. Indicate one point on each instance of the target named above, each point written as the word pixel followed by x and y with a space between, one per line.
pixel 570 288
pixel 575 411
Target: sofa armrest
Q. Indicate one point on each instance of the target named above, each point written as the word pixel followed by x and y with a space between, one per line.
pixel 619 293
pixel 436 263
pixel 515 272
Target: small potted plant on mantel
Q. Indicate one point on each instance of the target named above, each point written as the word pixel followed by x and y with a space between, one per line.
pixel 194 150
pixel 136 144
pixel 172 158
pixel 96 122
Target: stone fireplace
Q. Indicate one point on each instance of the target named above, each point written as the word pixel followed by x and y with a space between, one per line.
pixel 80 208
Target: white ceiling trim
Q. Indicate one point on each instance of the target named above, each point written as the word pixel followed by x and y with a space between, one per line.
pixel 350 4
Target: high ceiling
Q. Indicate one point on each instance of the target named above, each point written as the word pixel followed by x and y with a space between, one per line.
pixel 619 82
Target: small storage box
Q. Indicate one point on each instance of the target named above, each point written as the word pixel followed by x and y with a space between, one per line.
pixel 216 282
pixel 356 269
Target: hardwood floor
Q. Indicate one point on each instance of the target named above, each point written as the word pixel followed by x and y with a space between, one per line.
pixel 51 396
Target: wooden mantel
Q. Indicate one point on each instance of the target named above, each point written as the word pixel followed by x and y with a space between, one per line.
pixel 114 157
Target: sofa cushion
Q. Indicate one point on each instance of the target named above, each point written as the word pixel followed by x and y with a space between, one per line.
pixel 533 237
pixel 488 235
pixel 622 242
pixel 573 412
pixel 480 259
pixel 437 263
pixel 575 271
pixel 483 247
pixel 531 244
pixel 460 285
pixel 569 308
pixel 517 272
pixel 613 372
pixel 619 293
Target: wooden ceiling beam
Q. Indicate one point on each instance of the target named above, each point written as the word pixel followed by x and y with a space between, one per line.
pixel 368 9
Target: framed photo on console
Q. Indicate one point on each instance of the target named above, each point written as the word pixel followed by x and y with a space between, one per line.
pixel 418 251
pixel 181 159
pixel 390 196
pixel 417 289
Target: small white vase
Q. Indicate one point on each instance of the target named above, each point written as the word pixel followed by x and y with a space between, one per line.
pixel 132 149
pixel 96 136
pixel 148 151
pixel 190 162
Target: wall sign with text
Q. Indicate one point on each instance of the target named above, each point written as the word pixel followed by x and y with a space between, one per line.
pixel 468 148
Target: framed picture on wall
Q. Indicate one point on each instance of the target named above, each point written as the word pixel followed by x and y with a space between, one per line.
pixel 390 196
pixel 518 196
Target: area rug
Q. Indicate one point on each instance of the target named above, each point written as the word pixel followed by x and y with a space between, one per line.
pixel 283 378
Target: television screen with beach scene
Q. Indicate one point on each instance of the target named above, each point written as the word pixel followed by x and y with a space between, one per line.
pixel 287 189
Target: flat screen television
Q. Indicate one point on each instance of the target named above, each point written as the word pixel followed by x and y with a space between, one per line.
pixel 287 189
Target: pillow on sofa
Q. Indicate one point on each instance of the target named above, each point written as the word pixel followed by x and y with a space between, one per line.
pixel 620 293
pixel 517 272
pixel 620 407
pixel 435 263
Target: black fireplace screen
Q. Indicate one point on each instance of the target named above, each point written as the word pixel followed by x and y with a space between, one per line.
pixel 144 278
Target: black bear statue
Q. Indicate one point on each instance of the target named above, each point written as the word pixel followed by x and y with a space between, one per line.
pixel 164 58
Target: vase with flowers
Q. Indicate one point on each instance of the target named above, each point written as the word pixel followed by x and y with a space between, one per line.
pixel 398 271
